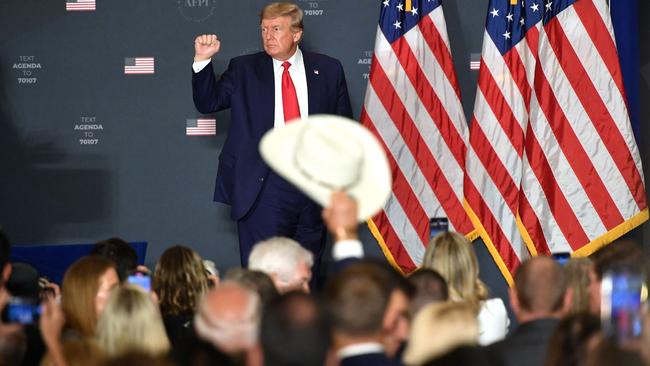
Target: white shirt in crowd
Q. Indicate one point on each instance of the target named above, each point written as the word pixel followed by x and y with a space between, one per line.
pixel 493 321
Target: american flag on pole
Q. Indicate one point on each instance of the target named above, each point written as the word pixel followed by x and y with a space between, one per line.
pixel 80 5
pixel 412 105
pixel 138 65
pixel 552 164
pixel 201 127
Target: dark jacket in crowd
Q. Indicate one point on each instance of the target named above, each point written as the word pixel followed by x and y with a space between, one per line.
pixel 526 345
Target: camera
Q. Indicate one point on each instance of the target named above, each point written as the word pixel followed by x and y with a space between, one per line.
pixel 22 310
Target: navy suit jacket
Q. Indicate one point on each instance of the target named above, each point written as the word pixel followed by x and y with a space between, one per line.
pixel 247 88
pixel 528 344
pixel 369 359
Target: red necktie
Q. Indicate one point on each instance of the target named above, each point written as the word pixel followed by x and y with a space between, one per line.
pixel 289 96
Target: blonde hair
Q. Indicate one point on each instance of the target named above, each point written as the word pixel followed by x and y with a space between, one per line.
pixel 180 280
pixel 438 328
pixel 131 322
pixel 452 255
pixel 576 271
pixel 281 9
pixel 78 352
pixel 80 286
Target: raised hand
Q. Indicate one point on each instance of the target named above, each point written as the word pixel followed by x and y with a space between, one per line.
pixel 206 46
pixel 340 217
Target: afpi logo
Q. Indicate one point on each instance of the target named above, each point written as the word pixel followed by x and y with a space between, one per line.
pixel 196 10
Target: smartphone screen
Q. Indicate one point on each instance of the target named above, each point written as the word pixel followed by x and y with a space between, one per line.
pixel 24 311
pixel 438 225
pixel 622 294
pixel 141 280
pixel 562 257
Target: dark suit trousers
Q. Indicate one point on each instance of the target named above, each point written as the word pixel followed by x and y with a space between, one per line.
pixel 281 210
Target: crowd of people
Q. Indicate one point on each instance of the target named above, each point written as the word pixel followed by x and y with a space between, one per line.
pixel 366 313
pixel 273 313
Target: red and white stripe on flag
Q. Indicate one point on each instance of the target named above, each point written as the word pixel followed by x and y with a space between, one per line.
pixel 80 5
pixel 201 127
pixel 552 164
pixel 412 105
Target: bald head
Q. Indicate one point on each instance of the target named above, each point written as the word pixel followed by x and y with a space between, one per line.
pixel 540 286
pixel 228 317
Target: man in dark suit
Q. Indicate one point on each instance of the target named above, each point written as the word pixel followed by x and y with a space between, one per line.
pixel 264 91
pixel 539 299
pixel 366 307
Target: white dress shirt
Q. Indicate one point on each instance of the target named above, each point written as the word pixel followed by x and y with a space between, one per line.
pixel 359 349
pixel 298 76
pixel 493 321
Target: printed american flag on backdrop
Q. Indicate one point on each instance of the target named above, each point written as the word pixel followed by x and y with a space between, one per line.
pixel 201 127
pixel 138 65
pixel 80 5
pixel 552 164
pixel 412 105
pixel 475 61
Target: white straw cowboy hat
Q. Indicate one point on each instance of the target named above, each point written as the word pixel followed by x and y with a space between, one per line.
pixel 327 153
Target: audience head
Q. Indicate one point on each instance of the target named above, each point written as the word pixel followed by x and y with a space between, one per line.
pixel 429 286
pixel 540 290
pixel 285 261
pixel 86 287
pixel 575 336
pixel 257 281
pixel 179 280
pixel 78 352
pixel 439 328
pixel 120 252
pixel 131 322
pixel 356 300
pixel 229 317
pixel 24 281
pixel 607 352
pixel 138 359
pixel 13 345
pixel 619 256
pixel 452 255
pixel 294 332
pixel 397 318
pixel 368 300
pixel 576 271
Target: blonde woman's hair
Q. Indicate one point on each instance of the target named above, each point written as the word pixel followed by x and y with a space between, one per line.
pixel 452 255
pixel 131 322
pixel 78 352
pixel 439 328
pixel 179 280
pixel 79 290
pixel 576 271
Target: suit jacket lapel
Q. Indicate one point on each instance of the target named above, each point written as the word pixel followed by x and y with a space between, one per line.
pixel 313 83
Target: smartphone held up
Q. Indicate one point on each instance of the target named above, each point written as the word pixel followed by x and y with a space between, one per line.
pixel 623 297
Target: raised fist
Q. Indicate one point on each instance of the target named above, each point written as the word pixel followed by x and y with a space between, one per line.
pixel 206 46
